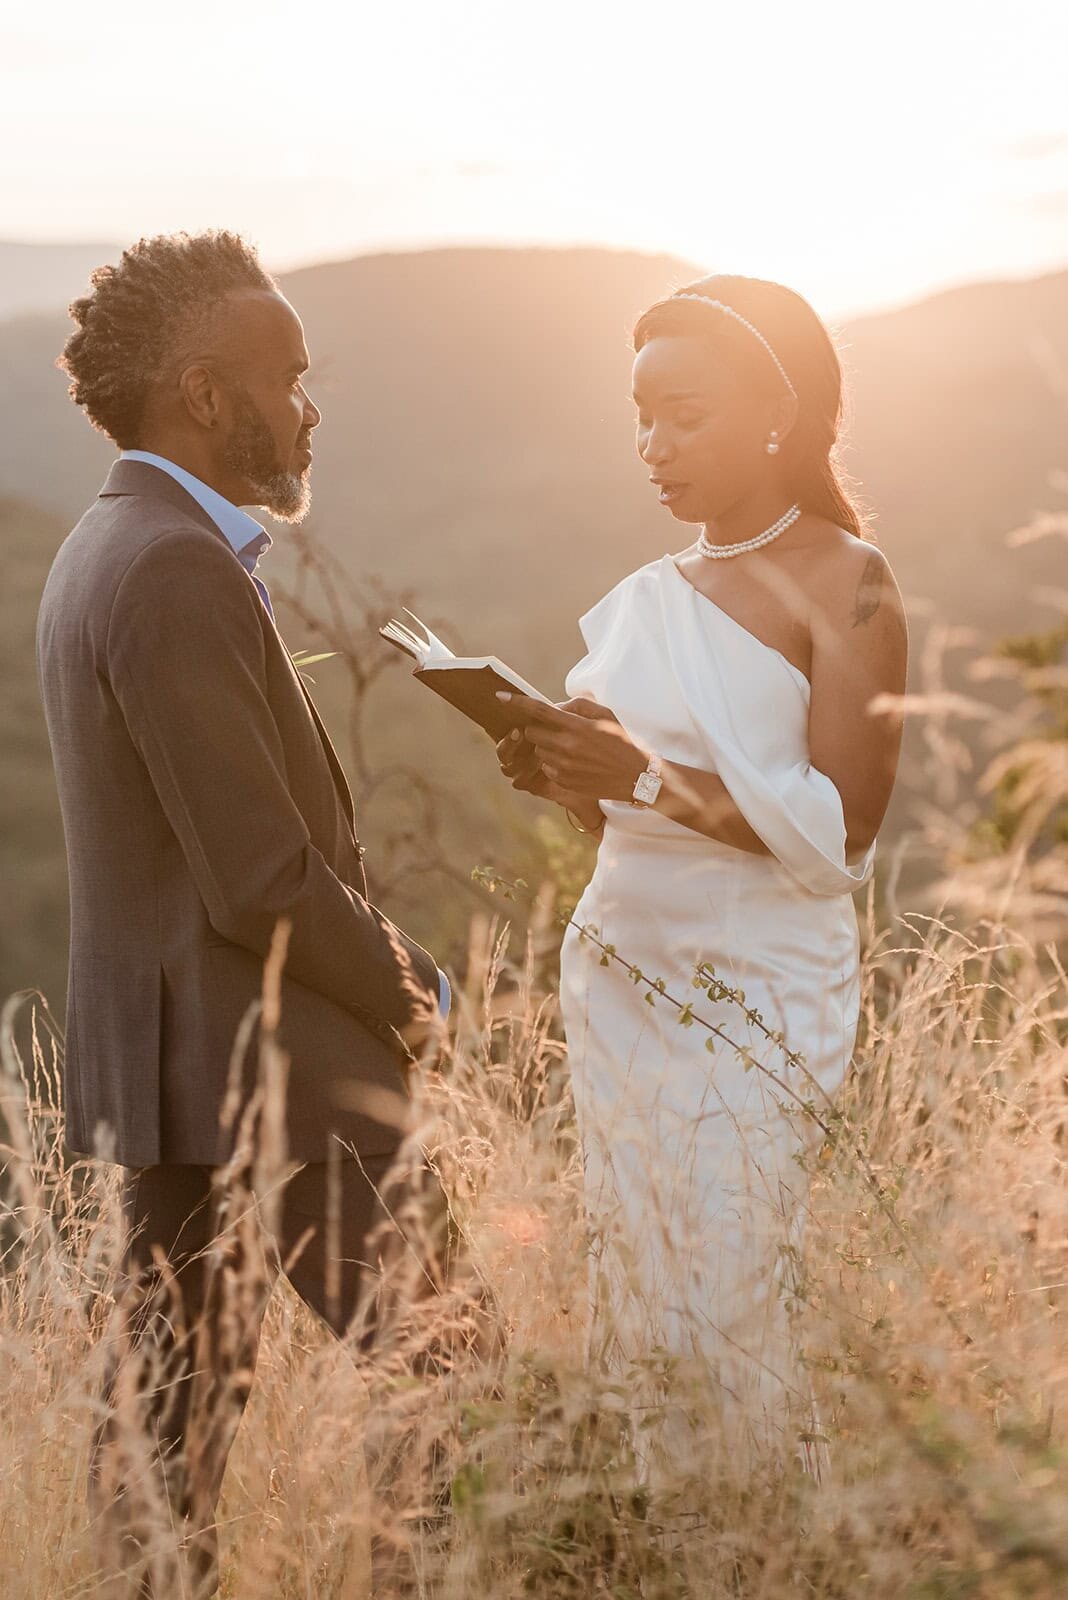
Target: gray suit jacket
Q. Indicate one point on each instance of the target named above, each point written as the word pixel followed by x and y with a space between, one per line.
pixel 201 800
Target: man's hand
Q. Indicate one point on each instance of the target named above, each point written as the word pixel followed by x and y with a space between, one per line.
pixel 578 749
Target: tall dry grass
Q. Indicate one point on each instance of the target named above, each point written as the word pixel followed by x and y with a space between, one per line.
pixel 930 1310
pixel 928 1302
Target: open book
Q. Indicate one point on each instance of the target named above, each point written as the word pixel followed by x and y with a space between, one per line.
pixel 469 683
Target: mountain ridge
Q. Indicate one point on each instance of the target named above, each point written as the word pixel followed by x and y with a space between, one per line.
pixel 477 451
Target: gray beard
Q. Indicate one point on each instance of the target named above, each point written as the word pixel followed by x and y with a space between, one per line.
pixel 286 495
pixel 250 453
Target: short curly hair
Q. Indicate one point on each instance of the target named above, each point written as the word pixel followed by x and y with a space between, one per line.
pixel 138 310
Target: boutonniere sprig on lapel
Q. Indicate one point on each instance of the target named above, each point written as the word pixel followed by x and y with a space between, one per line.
pixel 304 658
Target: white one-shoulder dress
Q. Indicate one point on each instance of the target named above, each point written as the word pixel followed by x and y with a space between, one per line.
pixel 690 1185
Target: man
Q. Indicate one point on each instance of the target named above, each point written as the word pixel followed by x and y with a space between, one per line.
pixel 203 806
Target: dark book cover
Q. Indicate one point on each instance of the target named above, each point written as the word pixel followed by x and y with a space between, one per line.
pixel 470 683
pixel 472 690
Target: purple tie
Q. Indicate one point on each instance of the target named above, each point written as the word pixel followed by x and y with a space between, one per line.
pixel 248 556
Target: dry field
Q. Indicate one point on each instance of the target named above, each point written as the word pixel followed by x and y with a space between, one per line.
pixel 926 1307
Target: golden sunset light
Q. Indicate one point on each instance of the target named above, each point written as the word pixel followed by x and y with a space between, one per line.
pixel 534 804
pixel 863 153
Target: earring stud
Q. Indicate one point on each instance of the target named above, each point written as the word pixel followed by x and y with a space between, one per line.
pixel 772 446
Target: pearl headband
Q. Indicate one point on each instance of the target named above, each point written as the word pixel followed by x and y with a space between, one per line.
pixel 705 300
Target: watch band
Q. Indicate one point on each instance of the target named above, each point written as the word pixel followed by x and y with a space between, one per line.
pixel 648 785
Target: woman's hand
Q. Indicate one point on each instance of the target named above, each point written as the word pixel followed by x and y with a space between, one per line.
pixel 521 765
pixel 578 749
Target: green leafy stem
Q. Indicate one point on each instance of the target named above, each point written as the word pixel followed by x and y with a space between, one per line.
pixel 830 1119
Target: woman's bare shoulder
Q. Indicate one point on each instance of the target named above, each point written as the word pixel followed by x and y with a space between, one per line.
pixel 850 575
pixel 838 555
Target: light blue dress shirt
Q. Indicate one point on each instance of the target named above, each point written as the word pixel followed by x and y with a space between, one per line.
pixel 248 540
pixel 242 533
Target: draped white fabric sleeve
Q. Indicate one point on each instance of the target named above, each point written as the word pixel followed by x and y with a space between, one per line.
pixel 724 674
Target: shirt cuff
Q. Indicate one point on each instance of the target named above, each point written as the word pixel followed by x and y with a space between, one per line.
pixel 444 994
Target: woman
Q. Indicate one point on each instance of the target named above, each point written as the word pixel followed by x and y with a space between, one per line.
pixel 722 741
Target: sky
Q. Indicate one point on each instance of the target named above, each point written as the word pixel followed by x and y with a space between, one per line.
pixel 864 154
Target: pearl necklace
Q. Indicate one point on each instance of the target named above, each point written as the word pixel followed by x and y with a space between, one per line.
pixel 718 552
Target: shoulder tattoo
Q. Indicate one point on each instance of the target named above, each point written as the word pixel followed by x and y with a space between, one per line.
pixel 869 591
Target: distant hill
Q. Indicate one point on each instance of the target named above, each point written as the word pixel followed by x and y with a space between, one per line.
pixel 40 277
pixel 477 429
pixel 477 449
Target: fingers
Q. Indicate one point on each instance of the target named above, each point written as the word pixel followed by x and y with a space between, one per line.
pixel 535 714
pixel 588 708
pixel 554 747
pixel 547 741
pixel 518 759
pixel 569 745
pixel 510 747
pixel 524 772
pixel 532 712
pixel 537 784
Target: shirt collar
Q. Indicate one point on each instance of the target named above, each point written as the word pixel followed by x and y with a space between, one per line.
pixel 243 533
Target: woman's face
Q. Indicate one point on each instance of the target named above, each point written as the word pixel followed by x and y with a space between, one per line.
pixel 703 447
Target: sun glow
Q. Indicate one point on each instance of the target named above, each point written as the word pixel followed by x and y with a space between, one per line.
pixel 857 153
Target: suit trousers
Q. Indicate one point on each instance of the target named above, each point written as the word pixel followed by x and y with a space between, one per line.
pixel 201 1256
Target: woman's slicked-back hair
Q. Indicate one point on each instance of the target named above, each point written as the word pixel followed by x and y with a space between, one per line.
pixel 160 290
pixel 809 453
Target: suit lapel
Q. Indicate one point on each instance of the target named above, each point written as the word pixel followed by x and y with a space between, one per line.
pixel 338 771
pixel 140 477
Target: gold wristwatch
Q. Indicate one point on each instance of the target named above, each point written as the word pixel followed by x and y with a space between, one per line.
pixel 648 785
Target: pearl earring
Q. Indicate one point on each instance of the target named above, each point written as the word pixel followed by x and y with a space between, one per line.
pixel 772 446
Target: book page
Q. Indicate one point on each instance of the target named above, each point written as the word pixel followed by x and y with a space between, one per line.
pixel 424 646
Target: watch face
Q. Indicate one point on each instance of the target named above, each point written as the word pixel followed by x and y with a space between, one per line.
pixel 647 788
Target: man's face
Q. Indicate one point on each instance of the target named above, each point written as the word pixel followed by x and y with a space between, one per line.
pixel 269 420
